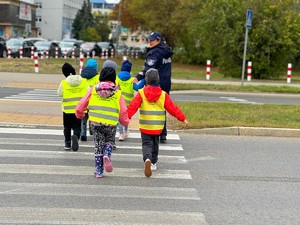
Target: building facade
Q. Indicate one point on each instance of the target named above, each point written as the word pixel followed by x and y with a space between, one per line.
pixel 17 18
pixel 54 18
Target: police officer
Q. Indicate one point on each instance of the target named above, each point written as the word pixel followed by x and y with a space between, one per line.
pixel 158 57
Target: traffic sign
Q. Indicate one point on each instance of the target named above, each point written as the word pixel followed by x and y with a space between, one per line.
pixel 249 19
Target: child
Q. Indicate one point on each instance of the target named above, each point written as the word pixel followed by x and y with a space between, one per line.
pixel 153 103
pixel 106 107
pixel 90 72
pixel 72 89
pixel 124 82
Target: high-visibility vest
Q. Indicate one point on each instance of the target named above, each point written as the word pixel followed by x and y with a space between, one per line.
pixel 72 95
pixel 152 114
pixel 104 110
pixel 127 90
pixel 94 80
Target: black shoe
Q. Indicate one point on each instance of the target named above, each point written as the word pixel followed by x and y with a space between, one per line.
pixel 83 138
pixel 67 145
pixel 163 139
pixel 75 145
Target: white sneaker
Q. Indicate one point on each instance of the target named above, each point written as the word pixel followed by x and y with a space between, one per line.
pixel 121 137
pixel 153 167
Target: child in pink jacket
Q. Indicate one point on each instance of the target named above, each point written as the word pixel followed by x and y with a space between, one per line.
pixel 106 108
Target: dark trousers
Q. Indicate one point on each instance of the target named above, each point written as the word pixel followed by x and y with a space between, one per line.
pixel 150 147
pixel 71 122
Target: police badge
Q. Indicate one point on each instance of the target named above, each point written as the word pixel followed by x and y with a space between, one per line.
pixel 150 62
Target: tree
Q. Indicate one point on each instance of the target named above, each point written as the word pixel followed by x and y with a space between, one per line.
pixel 90 34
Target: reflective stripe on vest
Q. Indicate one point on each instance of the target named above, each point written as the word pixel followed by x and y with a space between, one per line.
pixel 72 95
pixel 104 110
pixel 126 87
pixel 152 114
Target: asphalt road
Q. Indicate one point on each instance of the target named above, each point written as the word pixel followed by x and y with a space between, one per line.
pixel 179 96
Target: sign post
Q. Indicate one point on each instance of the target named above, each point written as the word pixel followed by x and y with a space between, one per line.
pixel 248 26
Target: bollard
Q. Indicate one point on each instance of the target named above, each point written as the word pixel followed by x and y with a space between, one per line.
pixel 80 62
pixel 36 62
pixel 9 53
pixel 88 53
pixel 56 52
pixel 73 53
pixel 47 53
pixel 111 53
pixel 65 53
pixel 124 58
pixel 42 54
pixel 21 52
pixel 249 71
pixel 208 70
pixel 106 53
pixel 32 52
pixel 102 54
pixel 289 73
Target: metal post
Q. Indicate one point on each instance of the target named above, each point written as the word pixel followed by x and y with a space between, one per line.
pixel 244 58
pixel 118 27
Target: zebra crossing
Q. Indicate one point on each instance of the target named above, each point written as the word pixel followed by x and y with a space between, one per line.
pixel 45 95
pixel 41 183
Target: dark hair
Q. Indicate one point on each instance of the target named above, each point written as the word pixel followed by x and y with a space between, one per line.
pixel 108 74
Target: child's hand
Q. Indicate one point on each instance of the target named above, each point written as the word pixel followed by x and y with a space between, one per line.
pixel 186 122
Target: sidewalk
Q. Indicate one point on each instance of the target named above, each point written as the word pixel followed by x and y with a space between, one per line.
pixel 48 114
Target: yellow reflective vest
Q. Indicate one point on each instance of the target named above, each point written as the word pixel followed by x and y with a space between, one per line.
pixel 104 110
pixel 152 114
pixel 94 80
pixel 72 95
pixel 127 90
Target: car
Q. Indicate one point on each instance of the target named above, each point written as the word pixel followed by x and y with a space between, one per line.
pixel 68 46
pixel 3 48
pixel 35 39
pixel 138 51
pixel 107 46
pixel 43 46
pixel 121 49
pixel 15 44
pixel 92 47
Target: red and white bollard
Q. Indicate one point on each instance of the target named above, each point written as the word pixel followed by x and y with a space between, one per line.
pixel 207 69
pixel 36 62
pixel 103 54
pixel 73 53
pixel 249 71
pixel 8 53
pixel 42 54
pixel 80 62
pixel 65 53
pixel 56 53
pixel 21 52
pixel 88 53
pixel 106 54
pixel 32 52
pixel 47 53
pixel 289 73
pixel 111 53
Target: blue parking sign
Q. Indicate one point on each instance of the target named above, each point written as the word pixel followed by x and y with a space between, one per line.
pixel 249 19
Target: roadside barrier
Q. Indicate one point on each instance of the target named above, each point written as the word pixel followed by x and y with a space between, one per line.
pixel 88 53
pixel 42 54
pixel 73 53
pixel 80 62
pixel 21 52
pixel 102 54
pixel 289 73
pixel 65 53
pixel 56 52
pixel 32 52
pixel 207 69
pixel 249 71
pixel 36 62
pixel 47 53
pixel 111 53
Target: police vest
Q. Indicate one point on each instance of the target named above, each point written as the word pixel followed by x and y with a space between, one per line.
pixel 127 90
pixel 72 95
pixel 94 80
pixel 104 110
pixel 152 114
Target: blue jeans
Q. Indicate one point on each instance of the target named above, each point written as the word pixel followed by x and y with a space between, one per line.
pixel 122 129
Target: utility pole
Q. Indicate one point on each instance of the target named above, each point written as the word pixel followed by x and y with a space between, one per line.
pixel 118 27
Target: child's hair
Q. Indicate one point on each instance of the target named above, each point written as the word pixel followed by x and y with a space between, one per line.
pixel 108 74
pixel 68 69
pixel 152 77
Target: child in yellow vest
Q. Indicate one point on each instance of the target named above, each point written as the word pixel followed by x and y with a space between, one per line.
pixel 127 87
pixel 72 89
pixel 153 103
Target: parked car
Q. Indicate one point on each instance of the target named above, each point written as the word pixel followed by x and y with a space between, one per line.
pixel 3 48
pixel 68 46
pixel 122 49
pixel 140 50
pixel 107 46
pixel 43 46
pixel 35 39
pixel 92 47
pixel 16 43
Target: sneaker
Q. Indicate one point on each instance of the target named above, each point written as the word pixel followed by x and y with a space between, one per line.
pixel 98 172
pixel 163 139
pixel 122 137
pixel 107 164
pixel 147 168
pixel 127 133
pixel 153 167
pixel 75 145
pixel 67 145
pixel 83 138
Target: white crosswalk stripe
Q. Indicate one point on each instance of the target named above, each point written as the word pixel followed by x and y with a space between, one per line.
pixel 44 95
pixel 40 183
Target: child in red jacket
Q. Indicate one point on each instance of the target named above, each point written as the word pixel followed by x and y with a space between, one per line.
pixel 153 103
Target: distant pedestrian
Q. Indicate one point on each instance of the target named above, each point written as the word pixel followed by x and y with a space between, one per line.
pixel 159 57
pixel 90 72
pixel 124 82
pixel 152 103
pixel 106 108
pixel 72 89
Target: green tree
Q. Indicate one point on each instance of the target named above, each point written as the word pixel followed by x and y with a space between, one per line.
pixel 90 34
pixel 102 26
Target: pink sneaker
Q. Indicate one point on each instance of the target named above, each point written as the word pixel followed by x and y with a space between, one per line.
pixel 121 137
pixel 107 164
